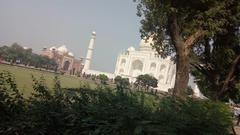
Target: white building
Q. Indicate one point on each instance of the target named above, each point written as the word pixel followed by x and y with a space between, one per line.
pixel 88 60
pixel 145 60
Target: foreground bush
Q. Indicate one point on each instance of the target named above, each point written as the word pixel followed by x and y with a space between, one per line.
pixel 193 117
pixel 106 112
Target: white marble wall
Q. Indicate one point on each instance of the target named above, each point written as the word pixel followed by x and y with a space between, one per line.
pixel 160 69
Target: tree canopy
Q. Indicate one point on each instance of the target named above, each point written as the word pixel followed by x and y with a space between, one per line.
pixel 178 26
pixel 217 67
pixel 146 81
pixel 122 84
pixel 103 78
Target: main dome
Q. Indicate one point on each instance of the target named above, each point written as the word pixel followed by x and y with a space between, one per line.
pixel 63 49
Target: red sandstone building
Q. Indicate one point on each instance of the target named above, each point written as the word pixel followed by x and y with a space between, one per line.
pixel 66 61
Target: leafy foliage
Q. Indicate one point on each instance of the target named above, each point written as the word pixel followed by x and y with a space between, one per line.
pixel 146 81
pixel 191 15
pixel 177 27
pixel 12 105
pixel 193 117
pixel 103 78
pixel 104 111
pixel 216 66
pixel 18 54
pixel 121 83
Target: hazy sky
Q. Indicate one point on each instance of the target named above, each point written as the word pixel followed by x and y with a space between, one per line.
pixel 39 23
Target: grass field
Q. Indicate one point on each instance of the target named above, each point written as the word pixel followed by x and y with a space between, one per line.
pixel 23 77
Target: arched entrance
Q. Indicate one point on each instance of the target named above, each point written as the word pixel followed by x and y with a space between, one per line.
pixel 123 62
pixel 153 67
pixel 121 71
pixel 136 68
pixel 161 79
pixel 66 65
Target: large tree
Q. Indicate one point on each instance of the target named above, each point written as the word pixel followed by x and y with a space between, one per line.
pixel 177 25
pixel 217 66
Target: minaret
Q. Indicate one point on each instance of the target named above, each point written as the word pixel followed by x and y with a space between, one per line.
pixel 88 58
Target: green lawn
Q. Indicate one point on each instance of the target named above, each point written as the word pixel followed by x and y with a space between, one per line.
pixel 23 77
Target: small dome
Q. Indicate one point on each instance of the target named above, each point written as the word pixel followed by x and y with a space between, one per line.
pixel 53 48
pixel 93 35
pixel 63 49
pixel 145 45
pixel 70 54
pixel 131 49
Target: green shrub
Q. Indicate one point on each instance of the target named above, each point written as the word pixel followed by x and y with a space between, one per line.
pixel 192 117
pixel 103 79
pixel 106 112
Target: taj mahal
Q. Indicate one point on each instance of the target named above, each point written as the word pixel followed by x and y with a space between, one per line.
pixel 144 60
pixel 136 61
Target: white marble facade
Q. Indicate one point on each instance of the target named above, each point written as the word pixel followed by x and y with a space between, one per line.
pixel 134 62
pixel 143 60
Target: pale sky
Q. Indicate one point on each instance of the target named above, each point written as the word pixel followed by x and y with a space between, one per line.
pixel 45 23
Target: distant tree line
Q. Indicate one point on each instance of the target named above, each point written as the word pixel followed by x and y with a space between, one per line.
pixel 16 54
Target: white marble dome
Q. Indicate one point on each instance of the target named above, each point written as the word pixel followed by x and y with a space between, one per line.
pixel 70 54
pixel 53 48
pixel 131 49
pixel 63 49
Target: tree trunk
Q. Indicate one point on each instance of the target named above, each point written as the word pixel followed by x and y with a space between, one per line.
pixel 182 59
pixel 182 72
pixel 183 47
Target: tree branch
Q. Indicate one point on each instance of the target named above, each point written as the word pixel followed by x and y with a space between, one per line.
pixel 200 68
pixel 175 31
pixel 193 38
pixel 231 72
